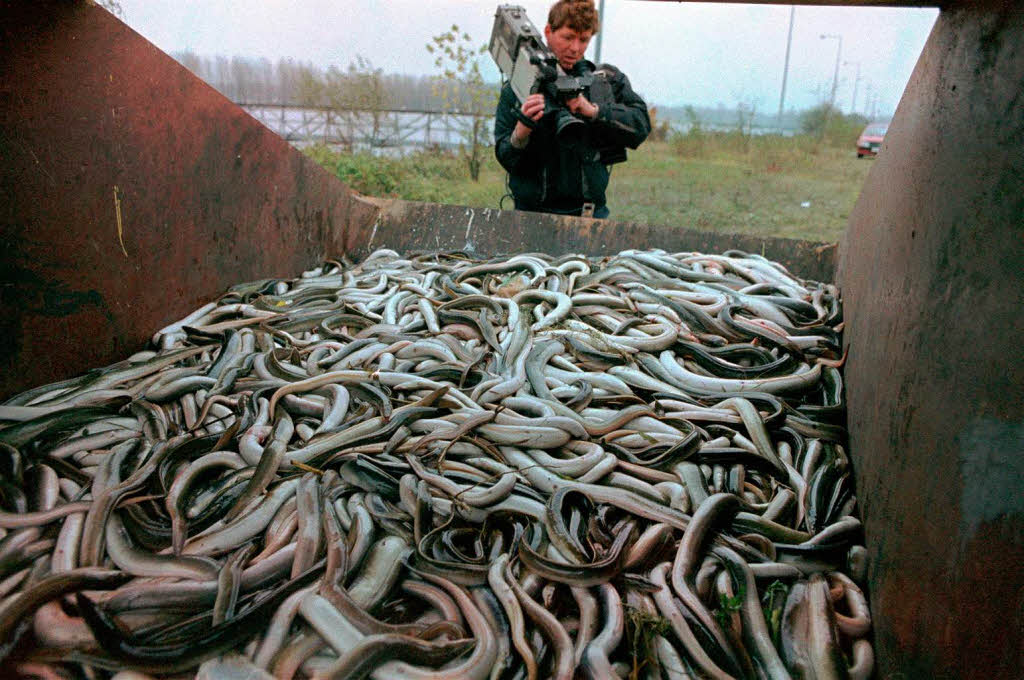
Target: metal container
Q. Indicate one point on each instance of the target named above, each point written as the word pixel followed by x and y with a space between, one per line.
pixel 131 192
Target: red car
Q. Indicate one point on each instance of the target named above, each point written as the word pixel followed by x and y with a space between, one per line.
pixel 871 139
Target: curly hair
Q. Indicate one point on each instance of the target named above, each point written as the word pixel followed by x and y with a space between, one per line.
pixel 579 15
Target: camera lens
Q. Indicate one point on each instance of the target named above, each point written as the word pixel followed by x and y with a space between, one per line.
pixel 570 130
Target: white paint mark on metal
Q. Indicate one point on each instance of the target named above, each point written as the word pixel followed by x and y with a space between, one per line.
pixel 469 225
pixel 373 233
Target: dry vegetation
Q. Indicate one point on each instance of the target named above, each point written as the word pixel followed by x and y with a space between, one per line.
pixel 794 187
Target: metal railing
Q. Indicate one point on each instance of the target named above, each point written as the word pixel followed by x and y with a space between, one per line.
pixel 360 129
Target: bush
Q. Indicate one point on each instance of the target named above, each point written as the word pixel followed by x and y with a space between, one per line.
pixel 419 176
pixel 824 133
pixel 831 126
pixel 660 129
pixel 689 144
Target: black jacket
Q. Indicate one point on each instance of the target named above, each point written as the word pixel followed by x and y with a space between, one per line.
pixel 551 177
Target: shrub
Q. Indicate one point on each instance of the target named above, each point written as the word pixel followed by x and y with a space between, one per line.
pixel 831 126
pixel 660 129
pixel 418 176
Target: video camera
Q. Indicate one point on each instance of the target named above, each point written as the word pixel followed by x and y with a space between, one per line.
pixel 530 67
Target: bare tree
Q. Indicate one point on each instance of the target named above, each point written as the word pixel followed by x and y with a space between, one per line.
pixel 462 88
pixel 360 86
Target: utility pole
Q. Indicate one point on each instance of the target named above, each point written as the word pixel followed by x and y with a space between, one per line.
pixel 835 76
pixel 856 82
pixel 600 18
pixel 785 68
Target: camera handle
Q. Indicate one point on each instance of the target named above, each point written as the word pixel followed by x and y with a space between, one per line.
pixel 534 89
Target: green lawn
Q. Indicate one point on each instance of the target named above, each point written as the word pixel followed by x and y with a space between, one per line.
pixel 712 182
pixel 762 191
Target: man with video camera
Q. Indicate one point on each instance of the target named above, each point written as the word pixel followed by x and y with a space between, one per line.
pixel 558 149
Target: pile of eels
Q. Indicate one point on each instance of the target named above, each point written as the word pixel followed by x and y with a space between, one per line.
pixel 429 466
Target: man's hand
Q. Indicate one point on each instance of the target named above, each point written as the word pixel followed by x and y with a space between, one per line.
pixel 533 108
pixel 581 106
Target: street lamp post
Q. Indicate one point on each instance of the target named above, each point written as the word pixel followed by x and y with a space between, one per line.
pixel 835 76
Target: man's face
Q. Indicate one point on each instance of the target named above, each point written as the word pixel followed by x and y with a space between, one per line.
pixel 567 44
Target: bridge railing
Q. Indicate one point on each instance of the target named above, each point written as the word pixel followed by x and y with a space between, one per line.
pixel 362 129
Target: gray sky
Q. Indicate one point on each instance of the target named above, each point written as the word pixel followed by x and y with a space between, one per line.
pixel 674 53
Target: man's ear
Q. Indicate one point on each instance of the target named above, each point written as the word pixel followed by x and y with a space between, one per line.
pixel 547 33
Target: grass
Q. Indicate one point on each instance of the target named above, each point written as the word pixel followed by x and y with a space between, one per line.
pixel 793 187
pixel 761 189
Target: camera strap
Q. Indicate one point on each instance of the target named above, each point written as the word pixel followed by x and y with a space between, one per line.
pixel 525 120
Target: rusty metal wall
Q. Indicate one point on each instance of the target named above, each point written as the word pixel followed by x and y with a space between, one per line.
pixel 406 225
pixel 932 272
pixel 131 193
pixel 931 267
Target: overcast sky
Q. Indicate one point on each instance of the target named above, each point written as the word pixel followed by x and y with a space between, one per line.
pixel 674 53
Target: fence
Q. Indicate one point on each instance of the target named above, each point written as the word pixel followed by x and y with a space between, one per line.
pixel 352 129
